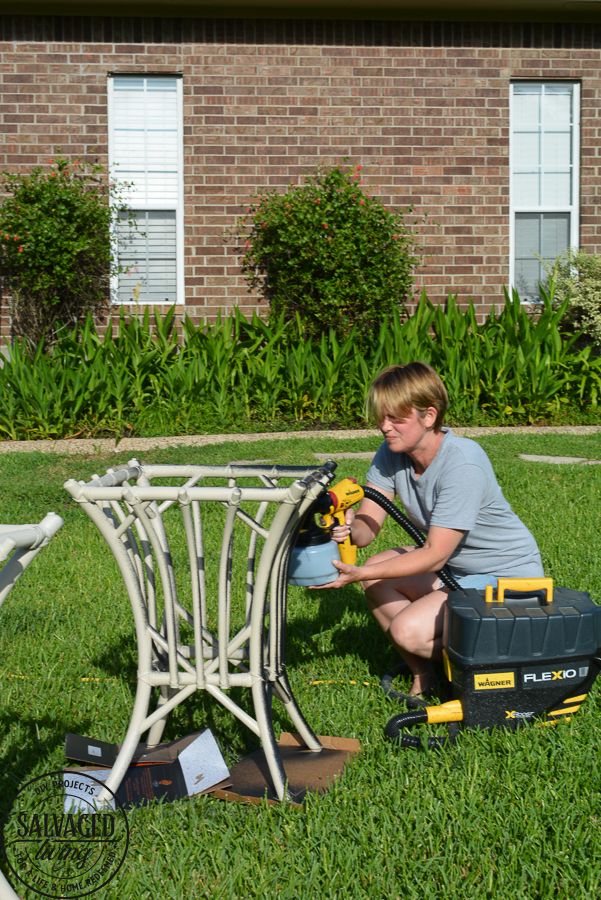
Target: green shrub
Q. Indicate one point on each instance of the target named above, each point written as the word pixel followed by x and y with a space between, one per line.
pixel 577 279
pixel 55 243
pixel 330 252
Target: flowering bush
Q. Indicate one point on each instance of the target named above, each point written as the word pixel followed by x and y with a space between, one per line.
pixel 329 251
pixel 56 247
pixel 577 277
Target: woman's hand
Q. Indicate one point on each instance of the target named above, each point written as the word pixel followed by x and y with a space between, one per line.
pixel 341 532
pixel 348 575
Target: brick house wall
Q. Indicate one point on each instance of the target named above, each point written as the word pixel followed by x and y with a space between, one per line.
pixel 423 106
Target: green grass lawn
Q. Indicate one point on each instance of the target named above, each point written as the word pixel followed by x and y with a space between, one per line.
pixel 508 815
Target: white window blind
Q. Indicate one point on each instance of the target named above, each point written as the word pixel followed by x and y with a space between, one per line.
pixel 145 150
pixel 544 179
pixel 148 256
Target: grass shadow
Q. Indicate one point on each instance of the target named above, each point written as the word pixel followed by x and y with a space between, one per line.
pixel 344 620
pixel 37 740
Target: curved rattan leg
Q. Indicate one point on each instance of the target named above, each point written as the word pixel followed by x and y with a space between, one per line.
pixel 284 692
pixel 262 702
pixel 156 731
pixel 132 739
pixel 6 892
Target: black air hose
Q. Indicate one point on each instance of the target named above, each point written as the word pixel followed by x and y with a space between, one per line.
pixel 386 685
pixel 395 513
pixel 418 717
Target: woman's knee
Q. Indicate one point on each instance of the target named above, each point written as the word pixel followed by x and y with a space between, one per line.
pixel 420 623
pixel 383 555
pixel 406 633
pixel 376 592
pixel 372 588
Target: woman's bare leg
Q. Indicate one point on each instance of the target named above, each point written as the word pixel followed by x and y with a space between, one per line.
pixel 410 611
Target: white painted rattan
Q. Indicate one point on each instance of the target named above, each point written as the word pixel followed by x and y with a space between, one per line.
pixel 133 514
pixel 24 542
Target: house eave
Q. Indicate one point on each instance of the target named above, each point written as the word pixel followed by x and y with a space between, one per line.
pixel 439 10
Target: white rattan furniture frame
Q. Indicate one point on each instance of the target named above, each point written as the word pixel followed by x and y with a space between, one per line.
pixel 131 512
pixel 24 542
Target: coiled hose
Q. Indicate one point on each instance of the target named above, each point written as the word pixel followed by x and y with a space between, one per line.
pixel 394 731
pixel 418 716
pixel 386 685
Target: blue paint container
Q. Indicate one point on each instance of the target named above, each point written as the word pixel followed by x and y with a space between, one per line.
pixel 312 564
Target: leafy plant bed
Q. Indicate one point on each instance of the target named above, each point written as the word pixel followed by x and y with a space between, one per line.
pixel 511 816
pixel 250 375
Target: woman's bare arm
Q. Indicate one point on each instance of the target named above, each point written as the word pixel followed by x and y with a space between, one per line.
pixel 439 546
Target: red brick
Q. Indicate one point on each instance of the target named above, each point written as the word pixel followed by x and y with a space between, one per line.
pixel 261 115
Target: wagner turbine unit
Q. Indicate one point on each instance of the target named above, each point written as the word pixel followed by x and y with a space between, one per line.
pixel 526 651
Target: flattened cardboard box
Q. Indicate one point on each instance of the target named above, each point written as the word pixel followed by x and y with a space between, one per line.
pixel 249 780
pixel 198 768
pixel 100 753
pixel 306 770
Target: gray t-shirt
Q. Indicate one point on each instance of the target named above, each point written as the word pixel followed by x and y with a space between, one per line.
pixel 459 490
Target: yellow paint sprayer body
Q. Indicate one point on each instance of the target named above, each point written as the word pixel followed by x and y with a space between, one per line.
pixel 344 494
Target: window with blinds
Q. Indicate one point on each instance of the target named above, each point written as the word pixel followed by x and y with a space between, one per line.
pixel 145 150
pixel 544 179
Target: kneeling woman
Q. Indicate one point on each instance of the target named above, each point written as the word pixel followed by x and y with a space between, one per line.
pixel 449 490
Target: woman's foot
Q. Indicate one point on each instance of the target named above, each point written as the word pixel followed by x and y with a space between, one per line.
pixel 424 682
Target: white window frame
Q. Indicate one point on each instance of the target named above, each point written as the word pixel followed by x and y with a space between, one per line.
pixel 178 207
pixel 574 208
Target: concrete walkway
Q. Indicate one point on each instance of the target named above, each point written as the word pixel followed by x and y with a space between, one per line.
pixel 561 460
pixel 130 445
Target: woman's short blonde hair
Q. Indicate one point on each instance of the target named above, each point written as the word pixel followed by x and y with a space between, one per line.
pixel 399 389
